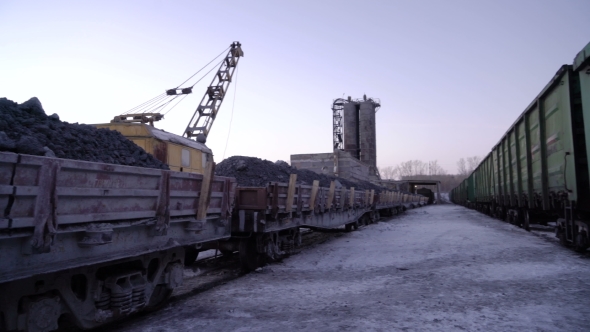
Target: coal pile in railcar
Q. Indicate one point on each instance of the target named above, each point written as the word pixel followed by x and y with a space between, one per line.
pixel 26 129
pixel 256 172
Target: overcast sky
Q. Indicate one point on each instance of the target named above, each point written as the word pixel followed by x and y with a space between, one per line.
pixel 452 76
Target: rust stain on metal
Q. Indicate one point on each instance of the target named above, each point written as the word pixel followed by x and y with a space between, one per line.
pixel 161 151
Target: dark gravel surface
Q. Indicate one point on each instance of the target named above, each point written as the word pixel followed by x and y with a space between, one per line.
pixel 26 129
pixel 256 172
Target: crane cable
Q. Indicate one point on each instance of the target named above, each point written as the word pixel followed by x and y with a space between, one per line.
pixel 200 79
pixel 147 103
pixel 153 109
pixel 220 54
pixel 217 65
pixel 164 104
pixel 146 106
pixel 178 102
pixel 232 112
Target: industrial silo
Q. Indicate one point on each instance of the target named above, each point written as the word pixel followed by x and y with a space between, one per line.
pixel 367 133
pixel 351 128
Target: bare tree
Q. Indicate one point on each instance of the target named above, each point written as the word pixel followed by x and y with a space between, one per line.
pixel 405 168
pixel 434 168
pixel 467 166
pixel 388 172
pixel 412 168
pixel 473 162
pixel 420 167
pixel 462 167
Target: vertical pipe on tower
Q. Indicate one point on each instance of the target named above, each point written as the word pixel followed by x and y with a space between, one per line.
pixel 368 133
pixel 351 128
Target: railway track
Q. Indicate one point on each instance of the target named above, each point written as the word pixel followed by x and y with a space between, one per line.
pixel 548 234
pixel 211 271
pixel 218 269
pixel 214 269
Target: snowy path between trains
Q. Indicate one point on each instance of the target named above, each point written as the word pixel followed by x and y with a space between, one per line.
pixel 438 268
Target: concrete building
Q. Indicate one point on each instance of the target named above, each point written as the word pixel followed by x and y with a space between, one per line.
pixel 355 143
pixel 340 163
pixel 413 186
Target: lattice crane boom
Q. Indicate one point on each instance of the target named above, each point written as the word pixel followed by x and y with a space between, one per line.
pixel 207 110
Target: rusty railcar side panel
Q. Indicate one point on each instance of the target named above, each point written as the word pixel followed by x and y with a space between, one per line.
pixel 254 198
pixel 85 191
pixel 263 209
pixel 7 162
pixel 64 214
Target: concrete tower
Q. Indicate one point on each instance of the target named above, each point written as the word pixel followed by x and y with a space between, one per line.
pixel 368 133
pixel 350 119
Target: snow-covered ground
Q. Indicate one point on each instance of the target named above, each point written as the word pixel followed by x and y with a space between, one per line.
pixel 438 268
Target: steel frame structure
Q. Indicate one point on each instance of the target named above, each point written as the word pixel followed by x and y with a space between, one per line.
pixel 207 110
pixel 337 108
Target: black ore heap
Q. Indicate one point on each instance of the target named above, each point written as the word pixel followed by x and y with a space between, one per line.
pixel 256 172
pixel 26 129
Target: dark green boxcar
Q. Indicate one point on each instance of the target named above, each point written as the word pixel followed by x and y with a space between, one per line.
pixel 538 171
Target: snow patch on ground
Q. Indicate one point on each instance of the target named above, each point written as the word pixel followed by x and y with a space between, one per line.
pixel 438 268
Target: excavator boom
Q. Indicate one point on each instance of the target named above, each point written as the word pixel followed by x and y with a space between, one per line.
pixel 207 110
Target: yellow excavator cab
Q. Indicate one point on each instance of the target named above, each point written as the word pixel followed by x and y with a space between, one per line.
pixel 180 153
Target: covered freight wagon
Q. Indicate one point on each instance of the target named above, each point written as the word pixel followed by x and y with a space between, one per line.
pixel 538 170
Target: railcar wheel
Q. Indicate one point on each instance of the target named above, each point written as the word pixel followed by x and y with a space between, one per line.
pixel 190 255
pixel 159 297
pixel 581 242
pixel 514 219
pixel 250 259
pixel 226 252
pixel 526 220
pixel 501 215
pixel 517 219
pixel 561 237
